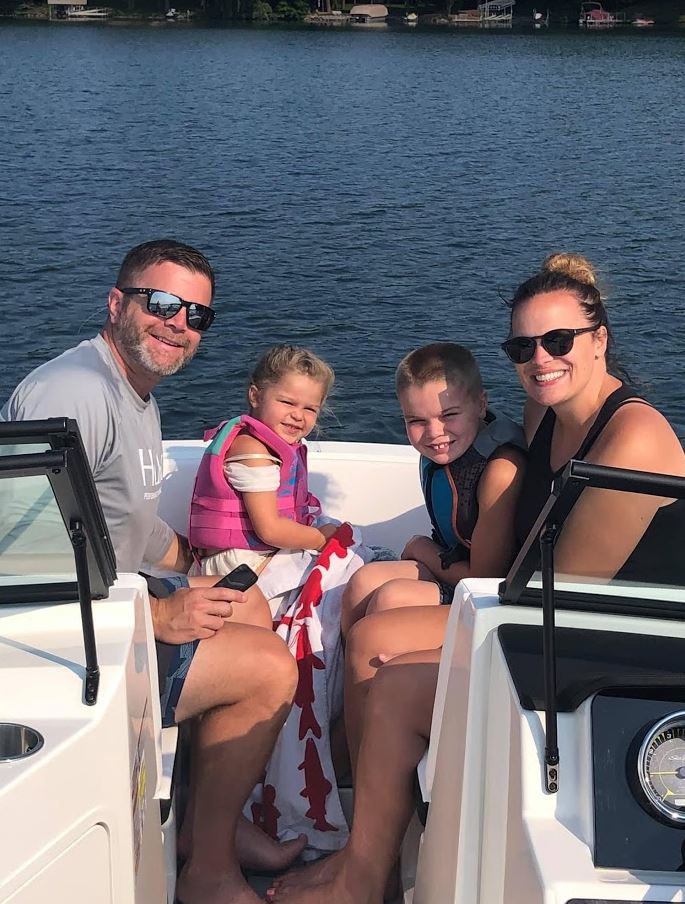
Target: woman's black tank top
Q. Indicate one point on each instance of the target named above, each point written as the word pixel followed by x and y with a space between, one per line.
pixel 658 557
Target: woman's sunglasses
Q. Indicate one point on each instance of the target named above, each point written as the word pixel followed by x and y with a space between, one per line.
pixel 520 349
pixel 166 305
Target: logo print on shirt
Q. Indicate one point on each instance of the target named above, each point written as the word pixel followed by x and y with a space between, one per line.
pixel 151 470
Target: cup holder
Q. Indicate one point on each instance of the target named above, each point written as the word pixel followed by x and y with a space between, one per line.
pixel 18 741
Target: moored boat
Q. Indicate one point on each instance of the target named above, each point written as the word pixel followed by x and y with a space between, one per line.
pixel 85 12
pixel 593 15
pixel 368 14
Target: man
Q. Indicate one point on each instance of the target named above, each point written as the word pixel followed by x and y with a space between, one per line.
pixel 240 678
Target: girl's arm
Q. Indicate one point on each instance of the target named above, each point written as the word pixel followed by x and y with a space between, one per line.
pixel 262 510
pixel 605 526
pixel 493 544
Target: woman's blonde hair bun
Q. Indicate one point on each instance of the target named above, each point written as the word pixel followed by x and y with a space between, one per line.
pixel 570 264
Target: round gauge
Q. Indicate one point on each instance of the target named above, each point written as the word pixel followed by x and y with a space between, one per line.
pixel 661 767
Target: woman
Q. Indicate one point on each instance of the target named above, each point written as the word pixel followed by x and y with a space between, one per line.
pixel 578 407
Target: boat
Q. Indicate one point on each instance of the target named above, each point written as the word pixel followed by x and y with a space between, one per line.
pixel 84 12
pixel 368 14
pixel 489 14
pixel 411 19
pixel 593 15
pixel 643 22
pixel 555 771
pixel 540 19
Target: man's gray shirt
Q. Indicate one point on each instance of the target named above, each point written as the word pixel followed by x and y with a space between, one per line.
pixel 122 437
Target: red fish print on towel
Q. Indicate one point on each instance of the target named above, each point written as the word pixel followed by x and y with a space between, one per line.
pixel 337 545
pixel 307 662
pixel 316 788
pixel 265 814
pixel 308 620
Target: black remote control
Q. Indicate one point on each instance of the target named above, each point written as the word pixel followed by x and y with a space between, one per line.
pixel 241 578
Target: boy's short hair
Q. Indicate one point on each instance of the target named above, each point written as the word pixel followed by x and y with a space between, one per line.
pixel 439 361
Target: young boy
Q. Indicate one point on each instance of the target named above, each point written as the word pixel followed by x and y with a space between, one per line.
pixel 472 462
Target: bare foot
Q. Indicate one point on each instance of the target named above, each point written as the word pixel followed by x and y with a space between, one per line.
pixel 323 870
pixel 258 851
pixel 345 888
pixel 254 848
pixel 196 887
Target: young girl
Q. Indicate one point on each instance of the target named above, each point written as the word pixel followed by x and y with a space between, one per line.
pixel 251 495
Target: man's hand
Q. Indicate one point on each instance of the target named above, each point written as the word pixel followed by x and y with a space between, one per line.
pixel 193 613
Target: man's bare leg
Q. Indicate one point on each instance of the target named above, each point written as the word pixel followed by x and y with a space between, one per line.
pixel 399 712
pixel 242 682
pixel 258 851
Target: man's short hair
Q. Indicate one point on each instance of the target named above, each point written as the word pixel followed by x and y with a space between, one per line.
pixel 161 251
pixel 439 361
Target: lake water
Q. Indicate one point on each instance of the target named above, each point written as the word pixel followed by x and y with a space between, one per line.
pixel 362 192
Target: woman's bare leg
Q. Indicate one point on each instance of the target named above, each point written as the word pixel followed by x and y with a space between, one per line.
pixel 396 731
pixel 401 593
pixel 369 578
pixel 392 633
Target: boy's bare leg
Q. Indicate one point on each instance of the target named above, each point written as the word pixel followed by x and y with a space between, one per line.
pixel 392 633
pixel 401 593
pixel 367 580
pixel 399 715
pixel 241 682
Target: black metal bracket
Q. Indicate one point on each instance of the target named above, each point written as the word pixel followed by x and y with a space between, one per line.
pixel 547 540
pixel 79 542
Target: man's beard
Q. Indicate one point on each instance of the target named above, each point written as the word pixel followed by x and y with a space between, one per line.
pixel 129 337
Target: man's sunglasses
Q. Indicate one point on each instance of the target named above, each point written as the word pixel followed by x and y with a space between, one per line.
pixel 166 305
pixel 520 349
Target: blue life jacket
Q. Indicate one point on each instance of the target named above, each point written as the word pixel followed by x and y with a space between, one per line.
pixel 451 491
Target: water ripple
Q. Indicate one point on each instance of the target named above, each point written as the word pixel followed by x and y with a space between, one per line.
pixel 361 193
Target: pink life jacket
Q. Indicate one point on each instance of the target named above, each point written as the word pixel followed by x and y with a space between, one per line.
pixel 218 517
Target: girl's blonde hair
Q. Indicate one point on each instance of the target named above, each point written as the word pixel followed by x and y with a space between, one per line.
pixel 281 360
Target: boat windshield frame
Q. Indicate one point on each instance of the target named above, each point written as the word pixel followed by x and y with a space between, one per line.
pixel 616 600
pixel 65 466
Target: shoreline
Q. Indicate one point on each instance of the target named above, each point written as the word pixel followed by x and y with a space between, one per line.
pixel 668 15
pixel 322 20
